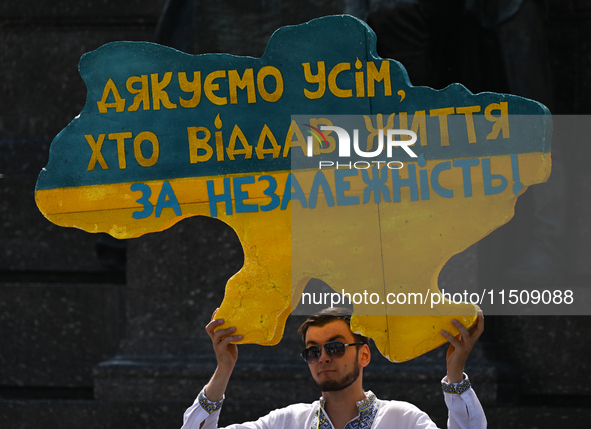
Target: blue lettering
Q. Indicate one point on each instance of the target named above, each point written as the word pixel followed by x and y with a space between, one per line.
pixel 171 202
pixel 440 190
pixel 487 178
pixel 320 182
pixel 297 195
pixel 225 197
pixel 376 185
pixel 424 183
pixel 270 192
pixel 146 193
pixel 465 164
pixel 341 186
pixel 240 195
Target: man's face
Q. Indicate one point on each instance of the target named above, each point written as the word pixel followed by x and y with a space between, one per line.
pixel 331 373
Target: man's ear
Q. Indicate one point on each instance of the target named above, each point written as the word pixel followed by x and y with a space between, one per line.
pixel 364 355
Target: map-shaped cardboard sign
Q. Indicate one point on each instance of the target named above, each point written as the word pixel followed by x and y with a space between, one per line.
pixel 322 157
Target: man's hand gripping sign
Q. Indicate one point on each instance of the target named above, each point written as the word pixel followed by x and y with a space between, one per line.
pixel 322 157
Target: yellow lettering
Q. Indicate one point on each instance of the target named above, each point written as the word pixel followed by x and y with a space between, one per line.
pixel 359 86
pixel 137 148
pixel 96 152
pixel 500 122
pixel 219 143
pixel 419 125
pixel 120 137
pixel 246 81
pixel 237 134
pixel 143 93
pixel 274 72
pixel 209 87
pixel 260 149
pixel 319 78
pixel 118 104
pixel 443 113
pixel 194 87
pixel 468 111
pixel 289 143
pixel 332 81
pixel 158 92
pixel 195 143
pixel 379 126
pixel 373 75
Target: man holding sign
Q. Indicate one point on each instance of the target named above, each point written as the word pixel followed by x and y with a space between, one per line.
pixel 336 357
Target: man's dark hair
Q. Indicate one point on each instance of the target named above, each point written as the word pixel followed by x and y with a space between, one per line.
pixel 328 315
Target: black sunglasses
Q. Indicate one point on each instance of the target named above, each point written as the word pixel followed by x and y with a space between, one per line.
pixel 334 349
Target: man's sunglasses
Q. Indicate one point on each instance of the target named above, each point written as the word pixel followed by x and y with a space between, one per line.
pixel 334 349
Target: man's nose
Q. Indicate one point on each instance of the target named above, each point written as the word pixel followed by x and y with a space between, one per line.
pixel 324 357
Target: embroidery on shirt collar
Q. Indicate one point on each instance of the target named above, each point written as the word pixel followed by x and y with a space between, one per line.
pixel 367 407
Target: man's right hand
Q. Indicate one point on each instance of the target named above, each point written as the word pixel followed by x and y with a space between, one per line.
pixel 226 354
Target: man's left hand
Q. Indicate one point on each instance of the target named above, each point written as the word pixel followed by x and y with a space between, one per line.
pixel 460 348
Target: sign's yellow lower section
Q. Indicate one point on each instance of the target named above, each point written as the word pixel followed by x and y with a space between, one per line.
pixel 389 246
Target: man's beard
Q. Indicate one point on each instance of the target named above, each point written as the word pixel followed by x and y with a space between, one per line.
pixel 344 382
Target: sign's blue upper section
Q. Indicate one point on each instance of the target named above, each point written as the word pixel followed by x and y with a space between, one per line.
pixel 154 113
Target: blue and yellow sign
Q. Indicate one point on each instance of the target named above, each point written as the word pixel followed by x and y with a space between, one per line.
pixel 165 135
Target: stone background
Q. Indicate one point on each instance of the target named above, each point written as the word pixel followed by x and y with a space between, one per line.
pixel 96 333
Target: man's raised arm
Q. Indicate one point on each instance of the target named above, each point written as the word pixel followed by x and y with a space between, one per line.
pixel 226 354
pixel 204 412
pixel 464 408
pixel 460 348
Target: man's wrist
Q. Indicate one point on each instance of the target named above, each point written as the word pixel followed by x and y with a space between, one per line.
pixel 207 404
pixel 217 385
pixel 455 373
pixel 457 388
pixel 456 376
